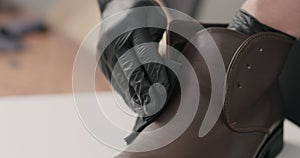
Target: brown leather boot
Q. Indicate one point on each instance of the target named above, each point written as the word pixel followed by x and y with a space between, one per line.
pixel 251 123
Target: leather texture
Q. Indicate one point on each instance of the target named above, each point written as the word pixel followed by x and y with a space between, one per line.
pixel 253 105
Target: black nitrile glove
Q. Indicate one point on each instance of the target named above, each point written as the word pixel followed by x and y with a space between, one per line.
pixel 134 88
pixel 249 25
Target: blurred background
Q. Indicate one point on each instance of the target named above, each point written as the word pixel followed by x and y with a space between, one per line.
pixel 38 43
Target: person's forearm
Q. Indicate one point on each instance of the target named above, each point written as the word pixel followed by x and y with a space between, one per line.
pixel 278 14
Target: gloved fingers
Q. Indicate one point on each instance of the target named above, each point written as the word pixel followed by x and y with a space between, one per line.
pixel 136 75
pixel 137 96
pixel 129 84
pixel 147 52
pixel 105 63
pixel 130 87
pixel 138 80
pixel 105 69
pixel 119 81
pixel 147 95
pixel 139 83
pixel 130 79
pixel 110 66
pixel 145 48
pixel 112 52
pixel 116 48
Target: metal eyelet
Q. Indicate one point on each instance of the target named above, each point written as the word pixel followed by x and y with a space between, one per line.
pixel 249 67
pixel 261 50
pixel 240 86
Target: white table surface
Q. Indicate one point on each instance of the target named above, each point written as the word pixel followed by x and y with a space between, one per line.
pixel 49 127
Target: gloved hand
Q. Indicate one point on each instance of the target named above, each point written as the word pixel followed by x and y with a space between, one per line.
pixel 249 25
pixel 137 94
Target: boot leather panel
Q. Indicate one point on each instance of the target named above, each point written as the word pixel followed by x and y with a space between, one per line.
pixel 226 139
pixel 253 100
